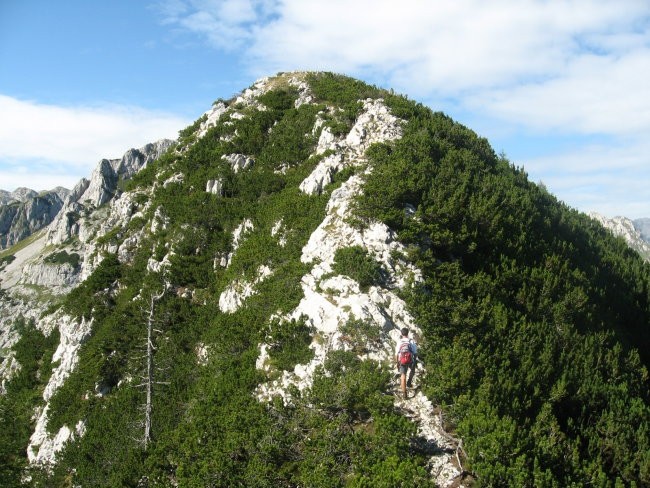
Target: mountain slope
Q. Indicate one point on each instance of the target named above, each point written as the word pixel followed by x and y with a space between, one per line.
pixel 241 299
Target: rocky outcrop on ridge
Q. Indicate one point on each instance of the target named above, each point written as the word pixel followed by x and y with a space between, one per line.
pixel 18 195
pixel 64 253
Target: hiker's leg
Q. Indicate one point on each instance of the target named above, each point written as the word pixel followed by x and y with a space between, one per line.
pixel 411 374
pixel 403 384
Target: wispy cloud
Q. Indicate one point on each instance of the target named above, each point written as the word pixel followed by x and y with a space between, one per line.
pixel 226 24
pixel 612 179
pixel 443 48
pixel 60 142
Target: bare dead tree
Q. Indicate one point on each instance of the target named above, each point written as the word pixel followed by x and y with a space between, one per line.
pixel 149 375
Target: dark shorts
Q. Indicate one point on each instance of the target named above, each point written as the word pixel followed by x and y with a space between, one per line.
pixel 404 368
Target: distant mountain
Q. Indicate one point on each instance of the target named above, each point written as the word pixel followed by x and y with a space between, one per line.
pixel 643 226
pixel 23 194
pixel 631 231
pixel 25 211
pixel 223 310
pixel 21 218
pixel 18 195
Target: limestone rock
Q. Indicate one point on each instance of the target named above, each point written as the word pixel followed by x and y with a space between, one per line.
pixel 233 297
pixel 43 447
pixel 215 187
pixel 212 117
pixel 375 124
pixel 19 220
pixel 101 188
pixel 238 162
pixel 643 226
pixel 55 276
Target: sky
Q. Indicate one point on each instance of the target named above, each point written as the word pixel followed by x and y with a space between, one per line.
pixel 560 87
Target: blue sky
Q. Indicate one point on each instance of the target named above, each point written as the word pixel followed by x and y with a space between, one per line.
pixel 561 87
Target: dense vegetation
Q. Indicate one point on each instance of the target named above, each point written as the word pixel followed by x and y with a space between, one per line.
pixel 535 321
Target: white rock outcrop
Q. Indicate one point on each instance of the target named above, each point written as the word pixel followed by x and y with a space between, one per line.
pixel 100 189
pixel 60 277
pixel 233 297
pixel 42 447
pixel 238 162
pixel 215 187
pixel 330 302
pixel 212 116
pixel 375 124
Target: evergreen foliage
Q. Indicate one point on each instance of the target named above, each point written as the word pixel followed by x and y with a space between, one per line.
pixel 63 257
pixel 23 394
pixel 535 321
pixel 356 263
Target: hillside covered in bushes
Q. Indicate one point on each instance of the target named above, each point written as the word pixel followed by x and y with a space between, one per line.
pixel 533 322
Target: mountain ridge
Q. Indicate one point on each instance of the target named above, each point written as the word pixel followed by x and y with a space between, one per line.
pixel 277 247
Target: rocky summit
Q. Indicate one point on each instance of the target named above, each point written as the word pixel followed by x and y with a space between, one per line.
pixel 223 310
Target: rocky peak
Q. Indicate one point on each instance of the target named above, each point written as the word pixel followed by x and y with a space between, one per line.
pixel 245 259
pixel 102 188
pixel 21 194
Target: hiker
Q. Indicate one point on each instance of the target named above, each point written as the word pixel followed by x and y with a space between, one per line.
pixel 405 355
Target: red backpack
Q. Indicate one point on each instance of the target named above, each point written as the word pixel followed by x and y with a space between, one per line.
pixel 405 354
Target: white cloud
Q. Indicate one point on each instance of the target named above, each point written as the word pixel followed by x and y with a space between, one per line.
pixel 594 95
pixel 226 24
pixel 71 139
pixel 578 65
pixel 611 179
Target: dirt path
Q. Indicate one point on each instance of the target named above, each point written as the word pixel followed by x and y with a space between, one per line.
pixel 443 449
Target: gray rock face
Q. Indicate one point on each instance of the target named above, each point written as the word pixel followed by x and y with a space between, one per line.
pixel 22 194
pixel 5 197
pixel 103 184
pixel 62 192
pixel 643 227
pixel 102 187
pixel 107 174
pixel 19 220
pixel 136 159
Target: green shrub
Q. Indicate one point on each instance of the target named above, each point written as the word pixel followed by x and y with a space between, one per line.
pixel 289 342
pixel 23 394
pixel 279 99
pixel 62 257
pixel 356 263
pixel 361 335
